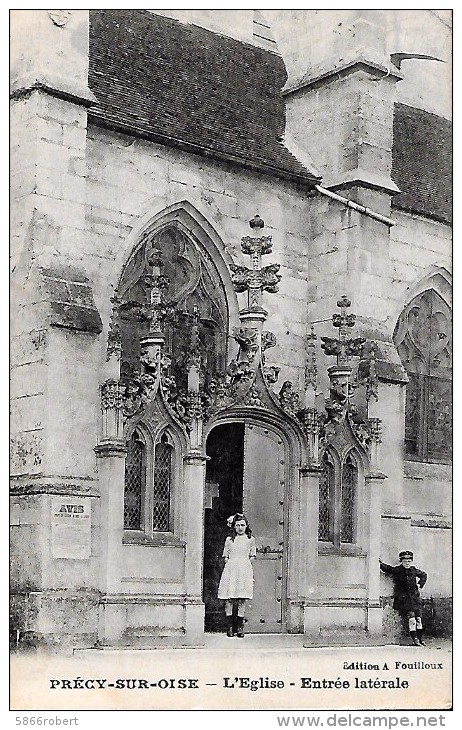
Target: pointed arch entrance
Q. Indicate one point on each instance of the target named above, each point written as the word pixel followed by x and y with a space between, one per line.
pixel 247 471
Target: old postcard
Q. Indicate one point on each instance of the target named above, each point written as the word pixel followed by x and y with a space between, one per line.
pixel 231 360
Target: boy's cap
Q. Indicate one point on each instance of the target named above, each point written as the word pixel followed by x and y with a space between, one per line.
pixel 406 554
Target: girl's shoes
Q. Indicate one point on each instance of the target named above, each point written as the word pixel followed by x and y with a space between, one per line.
pixel 240 628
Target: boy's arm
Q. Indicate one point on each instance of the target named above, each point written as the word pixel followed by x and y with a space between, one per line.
pixel 386 568
pixel 421 577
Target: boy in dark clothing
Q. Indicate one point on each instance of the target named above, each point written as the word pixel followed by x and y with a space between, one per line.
pixel 408 580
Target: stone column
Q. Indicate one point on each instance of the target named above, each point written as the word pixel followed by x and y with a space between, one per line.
pixel 111 472
pixel 194 480
pixel 111 452
pixel 374 487
pixel 308 547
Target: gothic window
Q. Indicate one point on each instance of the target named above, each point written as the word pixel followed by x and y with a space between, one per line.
pixel 193 292
pixel 348 498
pixel 338 493
pixel 135 470
pixel 148 486
pixel 162 485
pixel 424 342
pixel 326 483
pixel 194 286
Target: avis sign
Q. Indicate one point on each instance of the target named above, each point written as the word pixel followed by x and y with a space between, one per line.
pixel 71 527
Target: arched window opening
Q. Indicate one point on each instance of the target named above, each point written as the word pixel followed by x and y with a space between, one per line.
pixel 423 337
pixel 326 485
pixel 135 479
pixel 162 487
pixel 338 499
pixel 194 286
pixel 348 500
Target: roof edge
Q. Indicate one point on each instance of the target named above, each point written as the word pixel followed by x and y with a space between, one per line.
pixel 99 121
pixel 422 213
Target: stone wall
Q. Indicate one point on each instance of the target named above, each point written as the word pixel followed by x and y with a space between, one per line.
pixel 131 181
pixel 81 198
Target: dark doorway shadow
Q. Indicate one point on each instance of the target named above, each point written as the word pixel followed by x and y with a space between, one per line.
pixel 224 485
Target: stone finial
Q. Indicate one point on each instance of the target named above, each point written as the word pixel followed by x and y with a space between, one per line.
pixel 114 341
pixel 258 278
pixel 194 352
pixel 256 222
pixel 311 370
pixel 156 283
pixel 311 365
pixel 344 346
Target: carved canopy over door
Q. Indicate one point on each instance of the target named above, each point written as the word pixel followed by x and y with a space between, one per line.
pixel 424 340
pixel 193 285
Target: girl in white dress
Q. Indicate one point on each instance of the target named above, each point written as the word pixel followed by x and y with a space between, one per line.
pixel 236 583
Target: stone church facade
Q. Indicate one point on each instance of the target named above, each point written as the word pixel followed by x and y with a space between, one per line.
pixel 231 292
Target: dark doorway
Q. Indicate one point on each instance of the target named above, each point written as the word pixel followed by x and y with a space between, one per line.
pixel 223 497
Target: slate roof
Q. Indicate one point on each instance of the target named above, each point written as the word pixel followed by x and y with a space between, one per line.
pixel 422 162
pixel 190 88
pixel 184 86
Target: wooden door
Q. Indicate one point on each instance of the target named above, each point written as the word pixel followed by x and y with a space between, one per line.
pixel 263 504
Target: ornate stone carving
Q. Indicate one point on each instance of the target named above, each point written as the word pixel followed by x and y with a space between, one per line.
pixel 194 352
pixel 344 347
pixel 256 246
pixel 311 367
pixel 309 419
pixel 194 408
pixel 289 399
pixel 240 372
pixel 112 394
pixel 216 394
pixel 259 278
pixel 268 339
pixel 271 373
pixel 375 425
pixel 134 397
pixel 243 368
pixel 367 374
pixel 341 412
pixel 265 279
pixel 114 341
pixel 247 339
pixel 252 398
pixel 362 431
pixel 188 407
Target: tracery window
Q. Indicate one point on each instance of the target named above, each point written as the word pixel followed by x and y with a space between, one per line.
pixel 424 342
pixel 194 285
pixel 148 485
pixel 338 490
pixel 349 487
pixel 162 485
pixel 135 478
pixel 326 483
pixel 194 289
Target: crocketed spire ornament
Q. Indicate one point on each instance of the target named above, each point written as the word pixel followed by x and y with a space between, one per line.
pixel 259 278
pixel 344 346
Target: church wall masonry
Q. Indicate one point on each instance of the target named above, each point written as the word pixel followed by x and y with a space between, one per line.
pixel 129 181
pixel 82 197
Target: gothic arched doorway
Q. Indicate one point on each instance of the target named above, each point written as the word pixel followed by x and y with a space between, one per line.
pixel 246 472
